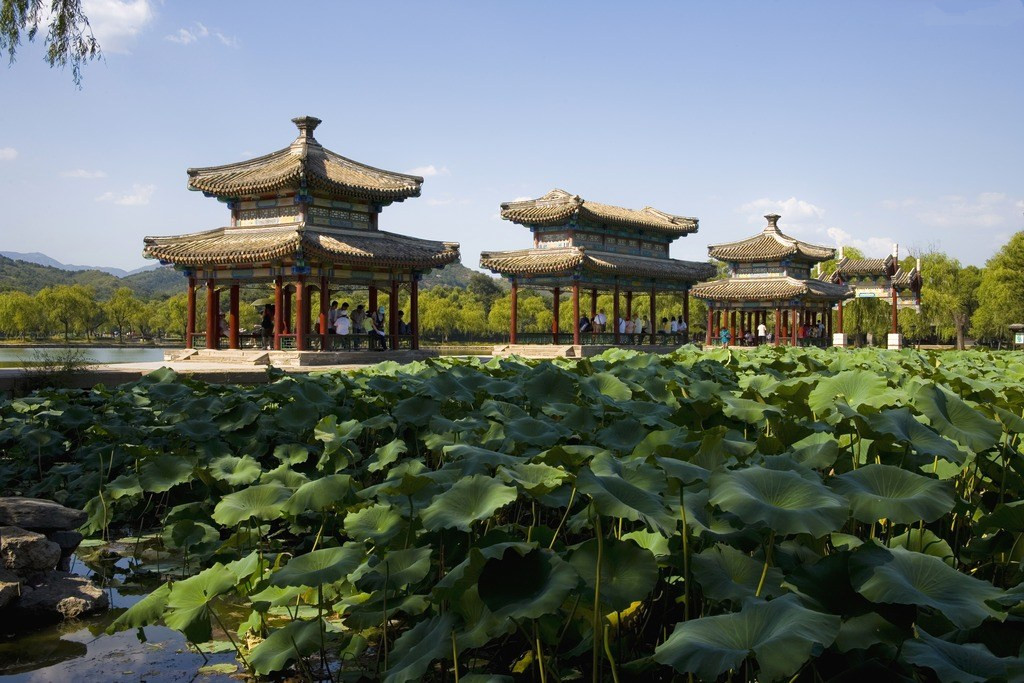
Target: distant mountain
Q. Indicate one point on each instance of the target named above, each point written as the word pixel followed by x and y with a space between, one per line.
pixel 44 260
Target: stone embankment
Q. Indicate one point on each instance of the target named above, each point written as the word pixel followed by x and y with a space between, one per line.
pixel 37 539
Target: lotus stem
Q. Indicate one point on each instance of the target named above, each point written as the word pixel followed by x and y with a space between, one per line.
pixel 227 632
pixel 767 561
pixel 455 657
pixel 608 653
pixel 540 654
pixel 558 529
pixel 686 556
pixel 596 657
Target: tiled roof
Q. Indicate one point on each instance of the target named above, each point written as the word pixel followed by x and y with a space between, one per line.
pixel 870 267
pixel 904 279
pixel 236 246
pixel 769 289
pixel 556 261
pixel 558 206
pixel 771 244
pixel 304 161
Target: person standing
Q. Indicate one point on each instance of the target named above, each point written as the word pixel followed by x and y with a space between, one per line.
pixel 332 316
pixel 684 330
pixel 600 320
pixel 762 333
pixel 343 326
pixel 378 332
pixel 267 326
pixel 358 324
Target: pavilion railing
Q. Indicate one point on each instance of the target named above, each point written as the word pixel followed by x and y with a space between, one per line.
pixel 603 339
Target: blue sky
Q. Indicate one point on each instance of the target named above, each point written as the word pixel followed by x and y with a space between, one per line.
pixel 862 123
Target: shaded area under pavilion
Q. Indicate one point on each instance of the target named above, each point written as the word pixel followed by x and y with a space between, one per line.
pixel 770 275
pixel 581 245
pixel 304 219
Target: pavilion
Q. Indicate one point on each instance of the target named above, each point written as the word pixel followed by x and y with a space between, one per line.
pixel 580 244
pixel 769 273
pixel 878 279
pixel 304 219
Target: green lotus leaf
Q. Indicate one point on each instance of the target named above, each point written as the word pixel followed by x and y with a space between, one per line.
pixel 242 415
pixel 536 478
pixel 296 639
pixel 960 663
pixel 188 534
pixel 607 384
pixel 781 635
pixel 235 471
pixel 666 442
pixel 868 630
pixel 855 387
pixel 262 501
pixel 327 491
pixel 651 541
pixel 164 472
pixel 615 497
pixel 783 500
pixel 910 578
pixel 292 453
pixel 534 432
pixel 324 566
pixel 245 567
pixel 145 612
pixel 718 446
pixel 886 492
pixel 276 596
pixel 1008 516
pixel 189 601
pixel 725 573
pixel 817 451
pixel 296 418
pixel 386 454
pixel 1011 422
pixel 526 586
pixel 198 430
pixel 548 384
pixel 378 523
pixel 168 392
pixel 954 418
pixel 398 569
pixel 334 434
pixel 479 456
pixel 469 500
pixel 415 410
pixel 480 625
pixel 900 424
pixel 825 585
pixel 628 572
pixel 285 476
pixel 622 436
pixel 685 472
pixel 925 541
pixel 418 647
pixel 746 410
pixel 125 485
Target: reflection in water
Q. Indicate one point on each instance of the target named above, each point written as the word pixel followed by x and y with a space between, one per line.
pixel 16 356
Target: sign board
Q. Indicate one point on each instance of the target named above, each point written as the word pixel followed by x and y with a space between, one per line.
pixel 1018 338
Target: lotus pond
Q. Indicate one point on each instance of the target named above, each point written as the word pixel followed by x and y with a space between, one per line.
pixel 778 514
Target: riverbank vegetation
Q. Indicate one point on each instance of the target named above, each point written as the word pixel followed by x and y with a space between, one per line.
pixel 781 514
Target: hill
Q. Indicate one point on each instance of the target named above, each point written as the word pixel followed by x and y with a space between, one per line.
pixel 44 260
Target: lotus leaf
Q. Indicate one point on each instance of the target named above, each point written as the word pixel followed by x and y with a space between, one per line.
pixel 725 573
pixel 526 586
pixel 235 471
pixel 910 578
pixel 415 411
pixel 855 387
pixel 614 496
pixel 378 523
pixel 956 663
pixel 327 491
pixel 418 647
pixel 319 567
pixel 164 472
pixel 469 500
pixel 262 501
pixel 188 603
pixel 296 639
pixel 900 424
pixel 953 417
pixel 886 492
pixel 780 634
pixel 292 453
pixel 398 569
pixel 146 611
pixel 783 500
pixel 627 571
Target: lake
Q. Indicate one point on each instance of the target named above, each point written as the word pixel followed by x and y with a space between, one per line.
pixel 14 357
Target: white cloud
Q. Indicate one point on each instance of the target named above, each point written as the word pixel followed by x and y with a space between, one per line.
pixel 8 154
pixel 429 171
pixel 83 173
pixel 521 199
pixel 873 247
pixel 116 23
pixel 988 210
pixel 793 211
pixel 197 32
pixel 229 41
pixel 139 196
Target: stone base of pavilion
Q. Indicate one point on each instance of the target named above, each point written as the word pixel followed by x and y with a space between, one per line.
pixel 294 359
pixel 571 350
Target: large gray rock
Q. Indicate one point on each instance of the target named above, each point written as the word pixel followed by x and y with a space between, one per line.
pixel 39 515
pixel 67 540
pixel 26 552
pixel 63 595
pixel 10 587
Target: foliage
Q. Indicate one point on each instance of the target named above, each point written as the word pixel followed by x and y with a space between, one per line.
pixel 69 40
pixel 999 293
pixel 775 514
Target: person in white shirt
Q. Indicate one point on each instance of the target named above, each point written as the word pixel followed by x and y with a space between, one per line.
pixel 343 325
pixel 682 327
pixel 600 320
pixel 762 333
pixel 622 325
pixel 673 326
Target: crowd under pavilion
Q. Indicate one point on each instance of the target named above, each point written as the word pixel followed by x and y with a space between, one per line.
pixel 583 245
pixel 303 219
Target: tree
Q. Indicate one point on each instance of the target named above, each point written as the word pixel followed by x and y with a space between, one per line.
pixel 69 39
pixel 68 306
pixel 1000 302
pixel 121 308
pixel 484 288
pixel 949 295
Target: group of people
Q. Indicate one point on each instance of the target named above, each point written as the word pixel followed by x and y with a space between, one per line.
pixel 349 324
pixel 804 334
pixel 634 329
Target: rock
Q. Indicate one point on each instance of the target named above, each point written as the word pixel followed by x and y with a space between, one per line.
pixel 63 595
pixel 67 540
pixel 26 552
pixel 10 587
pixel 39 515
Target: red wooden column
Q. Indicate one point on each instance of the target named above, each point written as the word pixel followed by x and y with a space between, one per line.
pixel 514 305
pixel 794 327
pixel 190 320
pixel 325 302
pixel 414 310
pixel 615 314
pixel 629 305
pixel 732 328
pixel 576 312
pixel 686 314
pixel 895 314
pixel 278 312
pixel 393 314
pixel 233 318
pixel 654 317
pixel 212 333
pixel 778 326
pixel 593 308
pixel 828 324
pixel 301 315
pixel 839 318
pixel 288 310
pixel 555 301
pixel 707 335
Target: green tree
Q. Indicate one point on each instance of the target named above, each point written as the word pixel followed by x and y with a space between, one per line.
pixel 485 288
pixel 69 39
pixel 19 314
pixel 121 309
pixel 67 306
pixel 949 295
pixel 999 291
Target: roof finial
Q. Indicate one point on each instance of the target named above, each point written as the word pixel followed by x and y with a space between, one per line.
pixel 773 222
pixel 896 251
pixel 306 126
